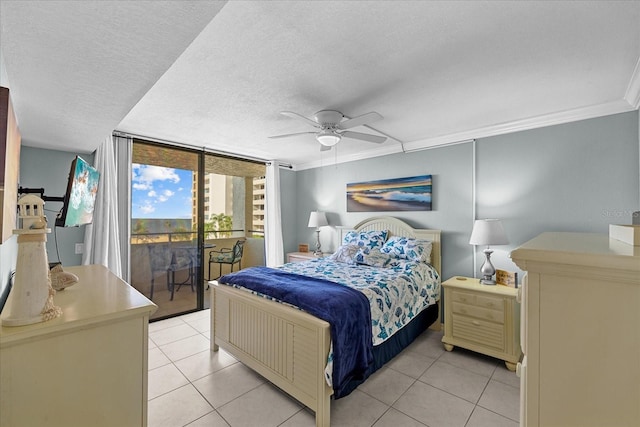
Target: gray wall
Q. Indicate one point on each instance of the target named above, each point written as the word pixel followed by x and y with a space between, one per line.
pixel 451 168
pixel 49 169
pixel 288 209
pixel 580 176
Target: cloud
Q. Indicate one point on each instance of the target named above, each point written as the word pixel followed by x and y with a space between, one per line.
pixel 139 186
pixel 166 194
pixel 147 208
pixel 143 176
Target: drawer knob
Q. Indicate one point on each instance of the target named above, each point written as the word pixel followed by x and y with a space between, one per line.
pixel 475 322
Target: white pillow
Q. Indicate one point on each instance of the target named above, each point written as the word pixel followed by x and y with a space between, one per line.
pixel 408 248
pixel 346 254
pixel 372 258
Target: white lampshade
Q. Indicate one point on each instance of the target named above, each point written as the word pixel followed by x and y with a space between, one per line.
pixel 318 219
pixel 328 138
pixel 488 232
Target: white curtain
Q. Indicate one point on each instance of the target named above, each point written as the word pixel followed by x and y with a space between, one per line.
pixel 123 146
pixel 101 237
pixel 274 251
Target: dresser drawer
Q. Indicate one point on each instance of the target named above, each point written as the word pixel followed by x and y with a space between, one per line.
pixel 486 301
pixel 477 312
pixel 485 333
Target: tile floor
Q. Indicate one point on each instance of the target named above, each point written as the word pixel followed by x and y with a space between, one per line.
pixel 423 386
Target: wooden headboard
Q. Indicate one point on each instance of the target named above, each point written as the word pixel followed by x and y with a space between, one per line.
pixel 398 227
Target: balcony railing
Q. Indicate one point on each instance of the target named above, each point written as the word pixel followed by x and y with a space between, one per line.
pixel 190 236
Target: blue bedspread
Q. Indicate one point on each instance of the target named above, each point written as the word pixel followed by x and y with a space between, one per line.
pixel 346 310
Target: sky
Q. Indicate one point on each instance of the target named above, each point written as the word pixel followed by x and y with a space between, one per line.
pixel 160 192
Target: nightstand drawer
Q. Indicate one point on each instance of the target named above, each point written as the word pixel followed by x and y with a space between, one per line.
pixel 482 318
pixel 482 332
pixel 480 313
pixel 494 303
pixel 487 301
pixel 463 297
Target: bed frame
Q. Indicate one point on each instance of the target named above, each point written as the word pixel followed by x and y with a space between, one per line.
pixel 283 344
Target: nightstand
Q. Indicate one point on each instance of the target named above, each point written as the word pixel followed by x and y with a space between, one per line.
pixel 302 256
pixel 482 318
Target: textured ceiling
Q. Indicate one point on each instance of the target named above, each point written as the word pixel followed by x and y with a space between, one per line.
pixel 216 75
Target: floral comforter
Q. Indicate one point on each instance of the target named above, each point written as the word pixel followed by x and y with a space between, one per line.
pixel 396 293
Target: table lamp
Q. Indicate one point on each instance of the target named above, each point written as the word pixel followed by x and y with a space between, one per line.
pixel 488 232
pixel 317 220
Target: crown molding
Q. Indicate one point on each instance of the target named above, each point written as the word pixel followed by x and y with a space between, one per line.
pixel 590 112
pixel 632 95
pixel 542 121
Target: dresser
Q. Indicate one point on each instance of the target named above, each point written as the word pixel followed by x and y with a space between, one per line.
pixel 482 318
pixel 581 331
pixel 87 367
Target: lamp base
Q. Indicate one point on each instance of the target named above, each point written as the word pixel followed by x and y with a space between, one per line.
pixel 487 269
pixel 317 252
pixel 487 280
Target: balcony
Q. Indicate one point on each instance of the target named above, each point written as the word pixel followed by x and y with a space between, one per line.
pixel 184 299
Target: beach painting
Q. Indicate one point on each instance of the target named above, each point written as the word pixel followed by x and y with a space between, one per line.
pixel 399 194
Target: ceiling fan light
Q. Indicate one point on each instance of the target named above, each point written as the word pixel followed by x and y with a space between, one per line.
pixel 328 138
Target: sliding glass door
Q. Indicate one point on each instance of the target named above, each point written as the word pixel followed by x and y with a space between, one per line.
pixel 166 256
pixel 194 216
pixel 233 215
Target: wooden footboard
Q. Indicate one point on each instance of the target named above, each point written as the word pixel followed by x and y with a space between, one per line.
pixel 285 345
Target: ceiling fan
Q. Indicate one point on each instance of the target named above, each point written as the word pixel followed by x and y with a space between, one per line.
pixel 331 128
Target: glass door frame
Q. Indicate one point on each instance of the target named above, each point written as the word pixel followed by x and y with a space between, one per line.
pixel 198 269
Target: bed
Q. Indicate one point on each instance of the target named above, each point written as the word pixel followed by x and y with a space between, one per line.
pixel 290 347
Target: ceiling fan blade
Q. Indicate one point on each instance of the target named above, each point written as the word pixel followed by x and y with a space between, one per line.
pixel 290 135
pixel 364 136
pixel 360 120
pixel 293 115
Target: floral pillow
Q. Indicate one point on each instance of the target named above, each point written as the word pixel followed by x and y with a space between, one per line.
pixel 408 248
pixel 373 258
pixel 366 240
pixel 346 254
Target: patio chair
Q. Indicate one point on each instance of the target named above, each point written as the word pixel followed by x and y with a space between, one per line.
pixel 231 256
pixel 162 258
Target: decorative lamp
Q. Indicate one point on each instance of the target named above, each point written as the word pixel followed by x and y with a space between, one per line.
pixel 328 138
pixel 317 220
pixel 31 298
pixel 488 232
